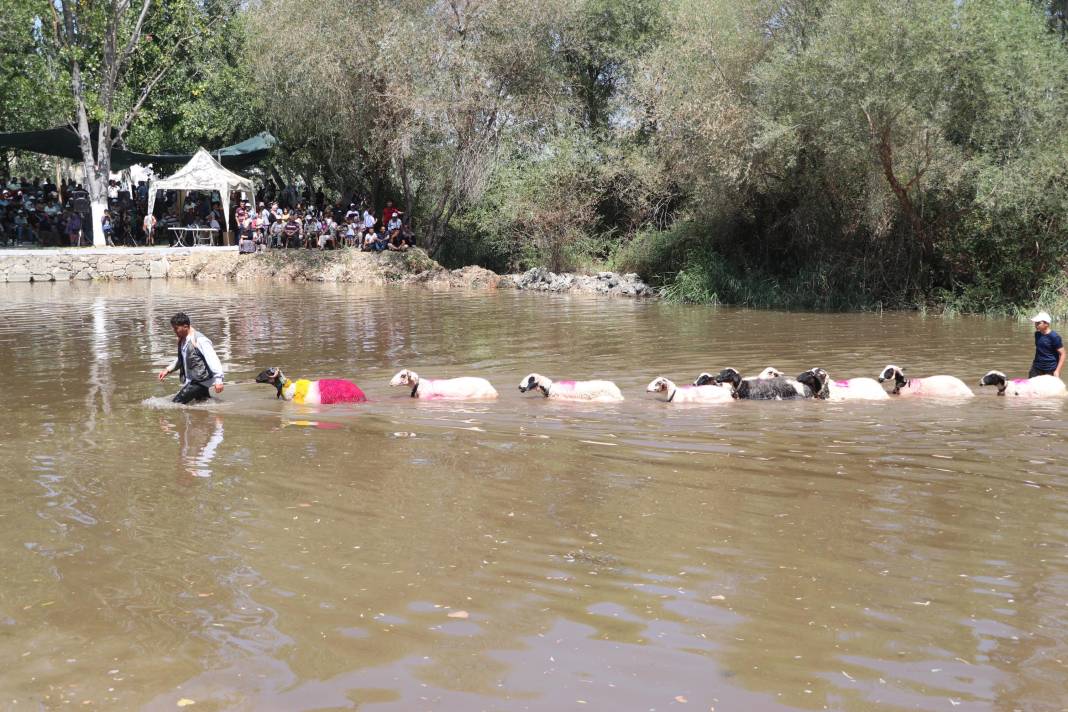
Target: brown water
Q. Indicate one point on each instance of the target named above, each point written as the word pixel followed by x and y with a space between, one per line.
pixel 521 554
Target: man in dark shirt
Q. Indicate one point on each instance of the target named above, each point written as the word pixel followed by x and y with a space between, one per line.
pixel 1049 348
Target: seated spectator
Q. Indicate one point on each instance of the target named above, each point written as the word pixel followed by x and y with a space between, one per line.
pixel 381 240
pixel 291 230
pixel 246 244
pixel 394 222
pixel 398 241
pixel 312 229
pixel 367 240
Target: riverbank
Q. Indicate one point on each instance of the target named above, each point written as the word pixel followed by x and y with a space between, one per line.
pixel 224 263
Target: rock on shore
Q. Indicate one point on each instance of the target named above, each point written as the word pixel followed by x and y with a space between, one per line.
pixel 617 285
pixel 412 267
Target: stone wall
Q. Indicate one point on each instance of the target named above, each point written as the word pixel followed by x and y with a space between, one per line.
pixel 66 265
pixel 223 263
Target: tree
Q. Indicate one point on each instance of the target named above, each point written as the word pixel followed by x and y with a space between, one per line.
pixel 32 94
pixel 99 42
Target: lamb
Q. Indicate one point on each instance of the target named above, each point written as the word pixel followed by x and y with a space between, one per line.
pixel 671 393
pixel 467 387
pixel 596 391
pixel 776 388
pixel 928 387
pixel 707 378
pixel 324 391
pixel 1037 387
pixel 853 389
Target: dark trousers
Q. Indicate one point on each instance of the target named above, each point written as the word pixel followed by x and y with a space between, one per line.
pixel 1037 372
pixel 191 392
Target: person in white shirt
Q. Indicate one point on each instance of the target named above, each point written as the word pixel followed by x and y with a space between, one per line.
pixel 196 361
pixel 368 220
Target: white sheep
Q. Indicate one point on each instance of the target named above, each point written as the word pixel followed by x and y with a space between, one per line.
pixel 1037 387
pixel 597 391
pixel 670 393
pixel 468 387
pixel 928 387
pixel 852 389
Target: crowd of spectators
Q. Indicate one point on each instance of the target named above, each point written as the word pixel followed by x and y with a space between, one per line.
pixel 271 225
pixel 41 213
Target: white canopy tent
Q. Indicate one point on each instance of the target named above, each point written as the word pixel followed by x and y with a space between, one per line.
pixel 203 173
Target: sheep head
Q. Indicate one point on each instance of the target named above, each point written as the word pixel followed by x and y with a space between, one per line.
pixel 816 379
pixel 995 378
pixel 659 385
pixel 729 375
pixel 405 377
pixel 535 381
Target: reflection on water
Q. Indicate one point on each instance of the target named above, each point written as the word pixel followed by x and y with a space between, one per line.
pixel 518 554
pixel 198 435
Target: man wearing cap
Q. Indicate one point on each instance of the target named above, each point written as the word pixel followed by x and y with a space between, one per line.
pixel 1049 349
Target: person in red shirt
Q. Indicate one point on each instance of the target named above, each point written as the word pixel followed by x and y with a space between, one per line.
pixel 388 212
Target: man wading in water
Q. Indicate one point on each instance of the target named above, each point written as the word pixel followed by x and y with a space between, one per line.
pixel 197 362
pixel 1049 349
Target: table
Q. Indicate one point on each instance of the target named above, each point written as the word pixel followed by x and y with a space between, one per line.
pixel 199 235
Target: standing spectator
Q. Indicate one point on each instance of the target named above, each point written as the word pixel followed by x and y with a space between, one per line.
pixel 149 226
pixel 388 212
pixel 108 228
pixel 74 229
pixel 368 219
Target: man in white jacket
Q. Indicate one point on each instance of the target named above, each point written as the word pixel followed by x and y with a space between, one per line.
pixel 196 361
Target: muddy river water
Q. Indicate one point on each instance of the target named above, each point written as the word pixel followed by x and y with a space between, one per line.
pixel 519 554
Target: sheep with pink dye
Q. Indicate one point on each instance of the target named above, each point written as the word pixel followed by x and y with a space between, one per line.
pixel 1037 387
pixel 325 391
pixel 928 387
pixel 464 388
pixel 827 388
pixel 670 393
pixel 595 391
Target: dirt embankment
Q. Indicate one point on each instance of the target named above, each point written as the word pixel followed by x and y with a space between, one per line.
pixel 412 267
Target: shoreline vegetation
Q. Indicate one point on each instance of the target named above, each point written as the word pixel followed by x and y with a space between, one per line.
pixel 806 154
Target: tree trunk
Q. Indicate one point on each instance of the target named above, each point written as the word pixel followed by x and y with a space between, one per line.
pixel 407 188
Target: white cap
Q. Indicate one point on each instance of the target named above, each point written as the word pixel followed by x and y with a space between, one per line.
pixel 1041 316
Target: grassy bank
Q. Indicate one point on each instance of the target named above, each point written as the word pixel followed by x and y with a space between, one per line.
pixel 693 266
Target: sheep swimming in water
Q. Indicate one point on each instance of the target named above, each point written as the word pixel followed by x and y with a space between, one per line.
pixel 928 387
pixel 708 379
pixel 1037 387
pixel 325 391
pixel 467 387
pixel 776 388
pixel 597 391
pixel 670 393
pixel 852 389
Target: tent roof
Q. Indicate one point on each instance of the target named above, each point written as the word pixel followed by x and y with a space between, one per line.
pixel 63 141
pixel 202 171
